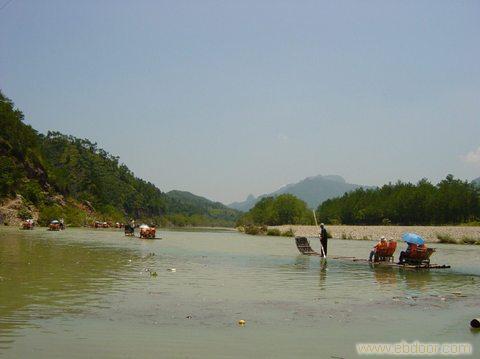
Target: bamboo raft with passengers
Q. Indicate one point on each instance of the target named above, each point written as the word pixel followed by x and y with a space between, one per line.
pixel 383 256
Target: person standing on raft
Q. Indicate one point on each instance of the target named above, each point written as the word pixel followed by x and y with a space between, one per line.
pixel 323 240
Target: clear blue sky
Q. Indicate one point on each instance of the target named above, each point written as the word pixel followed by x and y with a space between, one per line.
pixel 227 98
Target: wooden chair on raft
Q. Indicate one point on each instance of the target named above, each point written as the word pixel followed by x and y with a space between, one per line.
pixel 386 254
pixel 420 255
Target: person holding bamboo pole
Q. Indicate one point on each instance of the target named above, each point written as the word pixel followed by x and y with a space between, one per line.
pixel 323 239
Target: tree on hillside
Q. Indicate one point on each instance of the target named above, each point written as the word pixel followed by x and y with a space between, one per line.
pixel 284 209
pixel 450 201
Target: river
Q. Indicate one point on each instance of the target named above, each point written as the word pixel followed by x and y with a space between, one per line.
pixel 95 293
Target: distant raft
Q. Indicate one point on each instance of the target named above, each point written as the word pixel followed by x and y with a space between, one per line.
pixel 304 247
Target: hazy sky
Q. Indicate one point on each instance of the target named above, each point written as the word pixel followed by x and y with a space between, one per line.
pixel 227 98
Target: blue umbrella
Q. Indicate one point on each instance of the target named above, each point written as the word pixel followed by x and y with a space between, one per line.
pixel 413 238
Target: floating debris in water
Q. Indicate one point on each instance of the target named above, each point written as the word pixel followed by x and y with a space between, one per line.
pixel 171 270
pixel 241 322
pixel 153 274
pixel 188 317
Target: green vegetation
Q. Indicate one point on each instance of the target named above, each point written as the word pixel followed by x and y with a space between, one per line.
pixel 288 233
pixel 265 231
pixel 451 201
pixel 255 230
pixel 273 232
pixel 446 238
pixel 189 209
pixel 274 211
pixel 63 176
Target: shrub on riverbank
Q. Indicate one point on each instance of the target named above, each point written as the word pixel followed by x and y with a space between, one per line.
pixel 470 240
pixel 288 233
pixel 446 238
pixel 264 230
pixel 273 232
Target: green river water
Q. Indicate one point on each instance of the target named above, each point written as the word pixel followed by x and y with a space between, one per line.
pixel 90 294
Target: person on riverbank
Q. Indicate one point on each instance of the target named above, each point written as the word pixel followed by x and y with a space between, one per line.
pixel 323 240
pixel 382 244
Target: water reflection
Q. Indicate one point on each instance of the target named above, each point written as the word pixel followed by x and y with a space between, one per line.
pixel 385 276
pixel 418 281
pixel 302 263
pixel 322 277
pixel 41 279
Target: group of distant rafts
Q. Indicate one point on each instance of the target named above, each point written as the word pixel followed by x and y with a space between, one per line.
pixel 55 225
pixel 145 231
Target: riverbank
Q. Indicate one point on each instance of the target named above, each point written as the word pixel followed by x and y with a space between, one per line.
pixel 430 233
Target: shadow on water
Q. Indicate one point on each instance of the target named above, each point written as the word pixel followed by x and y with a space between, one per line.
pixel 42 280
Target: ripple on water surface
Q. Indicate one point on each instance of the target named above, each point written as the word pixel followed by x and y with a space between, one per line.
pixel 85 283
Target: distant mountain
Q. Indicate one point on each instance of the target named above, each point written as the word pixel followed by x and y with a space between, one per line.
pixel 477 181
pixel 245 205
pixel 312 190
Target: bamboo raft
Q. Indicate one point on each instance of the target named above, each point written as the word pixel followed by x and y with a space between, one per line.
pixel 304 247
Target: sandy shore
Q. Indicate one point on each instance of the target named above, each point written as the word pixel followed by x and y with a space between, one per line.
pixel 375 232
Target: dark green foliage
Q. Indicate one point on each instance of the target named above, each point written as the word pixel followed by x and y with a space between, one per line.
pixel 10 175
pixel 49 213
pixel 273 211
pixel 21 160
pixel 84 172
pixel 24 213
pixel 451 201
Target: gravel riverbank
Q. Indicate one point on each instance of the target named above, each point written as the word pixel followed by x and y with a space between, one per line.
pixel 429 233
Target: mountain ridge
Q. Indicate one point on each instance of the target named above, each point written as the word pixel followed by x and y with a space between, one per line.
pixel 313 190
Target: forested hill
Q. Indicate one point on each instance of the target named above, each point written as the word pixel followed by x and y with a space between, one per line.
pixel 58 175
pixel 187 204
pixel 451 201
